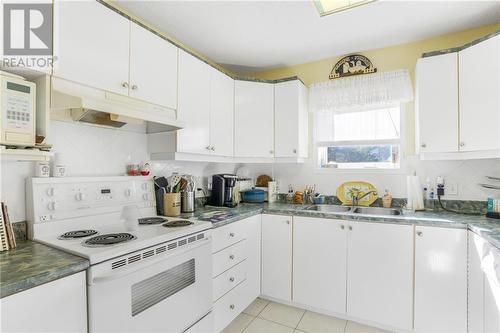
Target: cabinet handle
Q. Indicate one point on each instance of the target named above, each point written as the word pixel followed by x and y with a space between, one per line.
pixel 124 84
pixel 420 233
pixel 212 148
pixel 295 151
pixel 342 227
pixel 271 152
pixel 231 306
pixel 350 227
pixel 231 234
pixel 134 87
pixel 231 257
pixel 207 147
pixel 287 222
pixel 423 145
pixel 231 279
pixel 462 144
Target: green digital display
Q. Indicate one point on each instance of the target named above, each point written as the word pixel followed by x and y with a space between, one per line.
pixel 18 87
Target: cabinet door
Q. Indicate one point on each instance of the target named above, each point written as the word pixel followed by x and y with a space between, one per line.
pixel 492 292
pixel 440 280
pixel 479 97
pixel 153 68
pixel 380 273
pixel 254 119
pixel 475 284
pixel 277 256
pixel 286 117
pixel 91 43
pixel 319 263
pixel 437 103
pixel 221 113
pixel 46 305
pixel 253 263
pixel 194 105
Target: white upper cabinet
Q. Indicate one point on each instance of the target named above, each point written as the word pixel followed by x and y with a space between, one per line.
pixel 277 256
pixel 153 68
pixel 221 113
pixel 319 263
pixel 380 273
pixel 254 119
pixel 437 103
pixel 91 43
pixel 193 105
pixel 440 280
pixel 480 96
pixel 291 119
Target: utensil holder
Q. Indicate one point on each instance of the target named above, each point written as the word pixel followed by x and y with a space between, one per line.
pixel 172 204
pixel 187 202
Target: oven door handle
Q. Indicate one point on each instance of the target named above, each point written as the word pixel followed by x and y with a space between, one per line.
pixel 126 272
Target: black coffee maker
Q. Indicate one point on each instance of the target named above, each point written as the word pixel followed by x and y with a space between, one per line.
pixel 222 190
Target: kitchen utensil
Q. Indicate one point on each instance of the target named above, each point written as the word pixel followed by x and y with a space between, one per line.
pixel 187 202
pixel 255 196
pixel 174 182
pixel 172 204
pixel 263 180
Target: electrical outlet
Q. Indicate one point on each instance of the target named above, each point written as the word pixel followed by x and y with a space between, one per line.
pixel 451 189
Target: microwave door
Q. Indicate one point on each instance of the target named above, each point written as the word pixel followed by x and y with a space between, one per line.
pixel 170 294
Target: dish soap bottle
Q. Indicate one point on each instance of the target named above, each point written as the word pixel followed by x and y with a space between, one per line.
pixel 387 199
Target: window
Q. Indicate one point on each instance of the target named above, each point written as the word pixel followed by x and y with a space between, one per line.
pixel 327 7
pixel 366 139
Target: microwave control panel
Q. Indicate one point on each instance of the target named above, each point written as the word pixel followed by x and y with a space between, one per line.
pixel 18 115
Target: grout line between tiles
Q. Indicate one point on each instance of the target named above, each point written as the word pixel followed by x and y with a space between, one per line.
pixel 251 321
pixel 345 326
pixel 300 319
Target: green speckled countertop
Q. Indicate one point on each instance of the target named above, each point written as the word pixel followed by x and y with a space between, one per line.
pixel 31 264
pixel 486 227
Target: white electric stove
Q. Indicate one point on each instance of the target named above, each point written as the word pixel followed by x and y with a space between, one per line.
pixel 151 276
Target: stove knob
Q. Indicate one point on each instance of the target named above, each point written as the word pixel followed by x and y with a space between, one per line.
pixel 145 196
pixel 128 192
pixel 145 186
pixel 52 205
pixel 80 197
pixel 51 191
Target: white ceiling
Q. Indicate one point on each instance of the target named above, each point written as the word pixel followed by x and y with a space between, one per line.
pixel 247 36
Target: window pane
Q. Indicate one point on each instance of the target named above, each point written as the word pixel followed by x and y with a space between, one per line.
pixel 359 156
pixel 381 124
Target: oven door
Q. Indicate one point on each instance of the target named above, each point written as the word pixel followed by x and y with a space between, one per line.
pixel 166 295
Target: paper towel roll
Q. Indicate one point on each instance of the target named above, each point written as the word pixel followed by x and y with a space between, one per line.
pixel 414 193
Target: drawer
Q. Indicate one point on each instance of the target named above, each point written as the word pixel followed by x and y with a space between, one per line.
pixel 227 235
pixel 229 279
pixel 227 258
pixel 229 307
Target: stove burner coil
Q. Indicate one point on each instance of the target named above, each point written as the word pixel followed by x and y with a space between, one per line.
pixel 178 223
pixel 151 220
pixel 77 234
pixel 109 239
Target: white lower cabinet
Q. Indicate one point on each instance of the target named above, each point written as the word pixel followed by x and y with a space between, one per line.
pixel 440 280
pixel 320 263
pixel 57 306
pixel 491 267
pixel 277 256
pixel 236 269
pixel 475 283
pixel 380 273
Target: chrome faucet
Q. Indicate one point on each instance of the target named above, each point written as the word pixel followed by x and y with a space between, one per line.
pixel 357 197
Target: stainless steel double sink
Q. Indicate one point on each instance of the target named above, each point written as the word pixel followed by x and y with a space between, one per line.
pixel 355 210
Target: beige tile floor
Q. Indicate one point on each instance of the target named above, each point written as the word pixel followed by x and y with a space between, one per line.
pixel 269 317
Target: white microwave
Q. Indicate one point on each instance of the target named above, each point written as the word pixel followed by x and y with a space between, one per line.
pixel 18 111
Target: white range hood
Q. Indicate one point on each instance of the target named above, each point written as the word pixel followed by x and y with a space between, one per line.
pixel 101 107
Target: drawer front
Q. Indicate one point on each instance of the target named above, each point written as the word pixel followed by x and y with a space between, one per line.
pixel 227 235
pixel 229 279
pixel 229 307
pixel 227 258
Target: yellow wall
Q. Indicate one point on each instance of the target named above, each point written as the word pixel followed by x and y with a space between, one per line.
pixel 402 56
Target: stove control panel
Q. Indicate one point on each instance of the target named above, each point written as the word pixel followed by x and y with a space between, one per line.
pixel 52 199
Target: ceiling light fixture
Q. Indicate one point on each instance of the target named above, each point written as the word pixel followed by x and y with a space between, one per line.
pixel 327 7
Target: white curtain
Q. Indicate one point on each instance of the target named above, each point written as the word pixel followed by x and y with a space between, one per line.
pixel 361 92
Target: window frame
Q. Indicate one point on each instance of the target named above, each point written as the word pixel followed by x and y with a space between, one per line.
pixel 401 141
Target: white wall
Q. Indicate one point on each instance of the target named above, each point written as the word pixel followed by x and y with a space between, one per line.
pixel 96 151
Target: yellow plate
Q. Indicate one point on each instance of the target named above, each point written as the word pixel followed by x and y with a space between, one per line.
pixel 345 190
